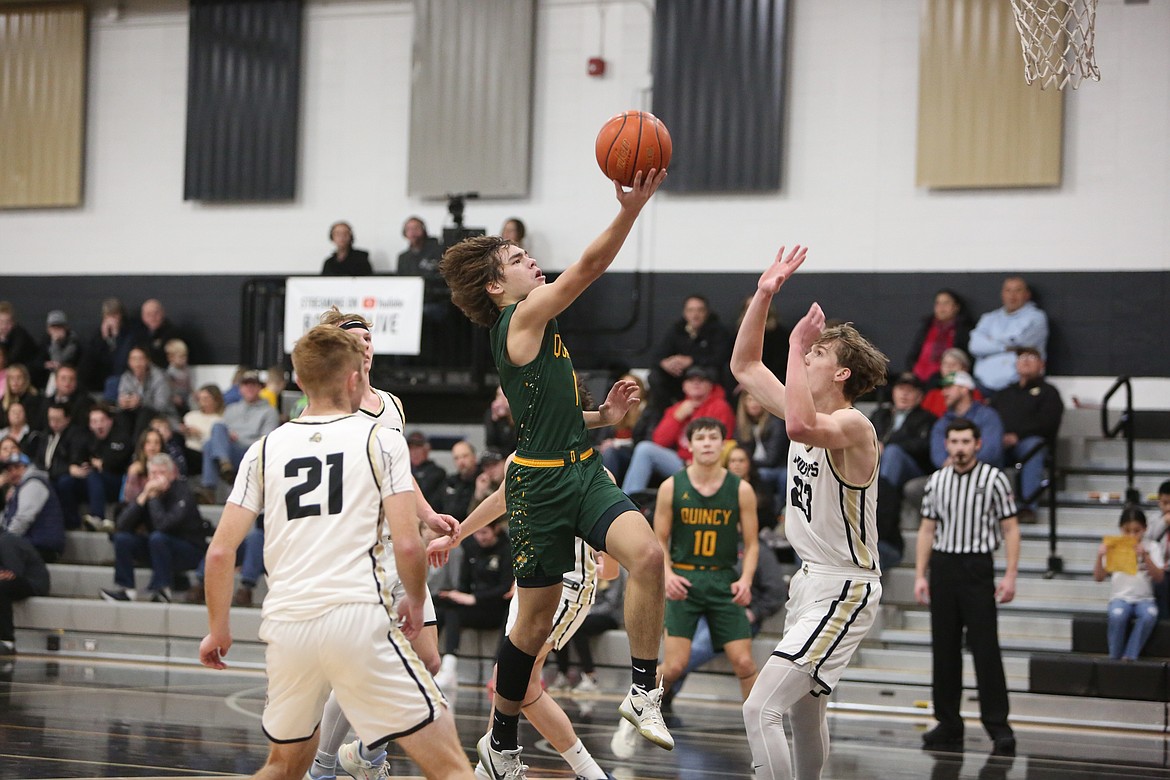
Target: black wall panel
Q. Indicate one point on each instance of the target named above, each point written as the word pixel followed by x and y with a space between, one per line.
pixel 719 71
pixel 243 98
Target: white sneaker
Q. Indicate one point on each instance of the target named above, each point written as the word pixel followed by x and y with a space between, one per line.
pixel 480 772
pixel 447 678
pixel 500 764
pixel 625 740
pixel 644 710
pixel 587 684
pixel 350 759
pixel 560 683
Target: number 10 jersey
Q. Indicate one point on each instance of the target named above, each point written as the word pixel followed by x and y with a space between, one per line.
pixel 320 482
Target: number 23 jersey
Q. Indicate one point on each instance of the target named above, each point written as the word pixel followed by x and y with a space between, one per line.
pixel 320 482
pixel 830 521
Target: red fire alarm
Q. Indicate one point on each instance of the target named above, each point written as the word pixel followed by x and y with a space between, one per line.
pixel 596 67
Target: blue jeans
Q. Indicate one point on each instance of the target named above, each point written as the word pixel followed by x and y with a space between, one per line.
pixel 648 460
pixel 220 447
pixel 165 553
pixel 778 477
pixel 1032 474
pixel 252 565
pixel 897 467
pixel 100 488
pixel 1145 615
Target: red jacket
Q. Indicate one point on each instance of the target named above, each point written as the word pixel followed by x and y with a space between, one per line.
pixel 672 433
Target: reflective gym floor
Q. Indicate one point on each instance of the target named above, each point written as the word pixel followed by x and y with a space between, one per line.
pixel 63 719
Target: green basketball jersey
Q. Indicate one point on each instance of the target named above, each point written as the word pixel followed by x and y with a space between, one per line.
pixel 546 407
pixel 706 528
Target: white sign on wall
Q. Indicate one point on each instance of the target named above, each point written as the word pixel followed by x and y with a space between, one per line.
pixel 393 304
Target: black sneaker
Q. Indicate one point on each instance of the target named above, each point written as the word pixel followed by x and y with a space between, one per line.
pixel 160 596
pixel 941 738
pixel 1003 746
pixel 115 594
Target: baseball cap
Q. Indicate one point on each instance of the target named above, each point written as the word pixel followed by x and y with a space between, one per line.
pixel 56 317
pixel 250 376
pixel 908 378
pixel 960 378
pixel 702 372
pixel 417 439
pixel 17 458
pixel 489 456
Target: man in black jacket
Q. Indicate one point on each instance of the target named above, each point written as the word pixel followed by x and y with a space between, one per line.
pixel 485 579
pixel 699 338
pixel 903 430
pixel 57 450
pixel 162 526
pixel 22 574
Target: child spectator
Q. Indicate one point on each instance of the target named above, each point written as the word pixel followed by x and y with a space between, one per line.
pixel 179 375
pixel 62 347
pixel 1134 564
pixel 150 443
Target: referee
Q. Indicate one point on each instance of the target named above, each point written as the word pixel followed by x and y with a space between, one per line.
pixel 968 505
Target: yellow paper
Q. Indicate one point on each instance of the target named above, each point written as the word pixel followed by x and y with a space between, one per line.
pixel 1121 554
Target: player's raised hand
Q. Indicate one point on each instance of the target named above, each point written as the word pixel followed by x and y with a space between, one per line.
pixel 781 269
pixel 212 650
pixel 809 328
pixel 618 401
pixel 644 187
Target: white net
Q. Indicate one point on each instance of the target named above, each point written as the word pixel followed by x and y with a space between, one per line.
pixel 1057 38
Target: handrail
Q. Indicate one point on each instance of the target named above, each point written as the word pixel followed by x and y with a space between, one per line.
pixel 1124 424
pixel 1047 484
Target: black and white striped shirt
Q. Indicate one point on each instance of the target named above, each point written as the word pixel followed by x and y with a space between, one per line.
pixel 968 508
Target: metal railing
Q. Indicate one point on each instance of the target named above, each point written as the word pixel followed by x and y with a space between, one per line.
pixel 1047 452
pixel 1125 424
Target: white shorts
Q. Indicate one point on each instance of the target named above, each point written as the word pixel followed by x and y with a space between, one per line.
pixel 569 616
pixel 829 612
pixel 355 649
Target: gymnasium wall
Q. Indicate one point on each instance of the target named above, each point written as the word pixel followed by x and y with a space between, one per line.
pixel 1097 246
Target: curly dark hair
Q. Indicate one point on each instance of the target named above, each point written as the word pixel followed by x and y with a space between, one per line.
pixel 468 268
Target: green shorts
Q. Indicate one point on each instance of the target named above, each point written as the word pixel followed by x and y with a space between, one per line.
pixel 549 506
pixel 709 596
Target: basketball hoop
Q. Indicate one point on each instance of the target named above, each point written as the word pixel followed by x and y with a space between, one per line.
pixel 1057 38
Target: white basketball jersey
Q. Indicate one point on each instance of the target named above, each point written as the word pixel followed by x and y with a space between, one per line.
pixel 391 415
pixel 828 520
pixel 320 482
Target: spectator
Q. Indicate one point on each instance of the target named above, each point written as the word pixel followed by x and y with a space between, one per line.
pixel 62 347
pixel 143 391
pixel 1132 594
pixel 32 509
pixel 22 574
pixel 492 467
pixel 903 430
pixel 155 331
pixel 60 448
pixel 460 486
pixel 775 349
pixel 953 361
pixel 3 372
pixel 514 231
pixel 1018 323
pixel 8 447
pixel 19 429
pixel 767 507
pixel 606 614
pixel 104 358
pixel 699 338
pixel 17 342
pixel 345 260
pixel 172 444
pixel 71 394
pixel 100 469
pixel 1157 533
pixel 275 382
pixel 616 442
pixel 20 391
pixel 947 327
pixel 249 558
pixel 763 436
pixel 669 451
pixel 150 443
pixel 178 374
pixel 483 586
pixel 958 389
pixel 499 429
pixel 429 475
pixel 232 394
pixel 1031 410
pixel 421 257
pixel 197 423
pixel 162 527
pixel 243 424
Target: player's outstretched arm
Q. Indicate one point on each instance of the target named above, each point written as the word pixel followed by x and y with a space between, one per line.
pixel 747 364
pixel 440 524
pixel 488 510
pixel 218 577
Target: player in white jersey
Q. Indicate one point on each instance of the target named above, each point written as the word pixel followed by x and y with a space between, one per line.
pixel 329 483
pixel 578 593
pixel 830 522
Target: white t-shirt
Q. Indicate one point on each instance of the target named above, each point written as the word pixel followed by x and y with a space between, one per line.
pixel 1136 587
pixel 320 482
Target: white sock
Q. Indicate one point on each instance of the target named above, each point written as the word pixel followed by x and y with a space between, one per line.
pixel 324 765
pixel 582 763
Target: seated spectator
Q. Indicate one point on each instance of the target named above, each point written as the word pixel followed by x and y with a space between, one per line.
pixel 668 450
pixel 57 451
pixel 178 374
pixel 69 393
pixel 62 347
pixel 345 260
pixel 698 338
pixel 17 342
pixel 1031 410
pixel 154 331
pixel 150 443
pixel 767 506
pixel 947 327
pixel 32 509
pixel 22 574
pixel 104 357
pixel 19 429
pixel 197 423
pixel 99 469
pixel 244 423
pixel 1018 323
pixel 953 361
pixel 774 353
pixel 423 253
pixel 514 231
pixel 173 444
pixel 275 382
pixel 232 394
pixel 492 467
pixel 483 587
pixel 763 436
pixel 460 486
pixel 3 372
pixel 616 442
pixel 499 428
pixel 903 429
pixel 162 527
pixel 8 447
pixel 249 559
pixel 143 391
pixel 958 389
pixel 606 614
pixel 429 475
pixel 1132 594
pixel 20 391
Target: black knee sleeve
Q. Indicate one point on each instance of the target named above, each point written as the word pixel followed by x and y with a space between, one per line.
pixel 514 668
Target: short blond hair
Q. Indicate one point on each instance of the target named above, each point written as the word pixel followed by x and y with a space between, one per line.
pixel 336 317
pixel 323 358
pixel 175 347
pixel 868 366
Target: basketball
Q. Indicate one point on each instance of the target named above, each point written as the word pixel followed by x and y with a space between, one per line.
pixel 630 142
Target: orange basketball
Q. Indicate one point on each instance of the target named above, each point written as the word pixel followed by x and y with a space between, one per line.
pixel 630 142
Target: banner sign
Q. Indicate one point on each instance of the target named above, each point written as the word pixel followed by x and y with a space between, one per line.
pixel 393 303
